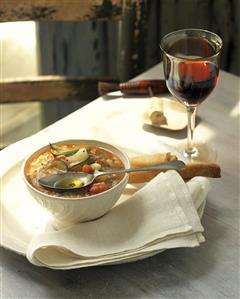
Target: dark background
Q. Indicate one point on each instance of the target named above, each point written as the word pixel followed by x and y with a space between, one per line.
pixel 123 49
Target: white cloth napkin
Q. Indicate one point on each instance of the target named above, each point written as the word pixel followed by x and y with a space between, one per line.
pixel 164 214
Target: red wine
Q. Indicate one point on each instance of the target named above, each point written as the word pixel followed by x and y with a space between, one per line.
pixel 191 78
pixel 194 83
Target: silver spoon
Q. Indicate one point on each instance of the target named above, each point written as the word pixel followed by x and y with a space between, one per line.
pixel 76 180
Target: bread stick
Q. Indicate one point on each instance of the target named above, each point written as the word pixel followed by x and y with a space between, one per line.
pixel 205 169
pixel 191 170
pixel 148 160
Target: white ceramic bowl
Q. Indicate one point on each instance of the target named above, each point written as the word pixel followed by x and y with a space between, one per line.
pixel 67 211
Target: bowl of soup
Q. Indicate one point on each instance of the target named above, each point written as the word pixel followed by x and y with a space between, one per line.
pixel 81 204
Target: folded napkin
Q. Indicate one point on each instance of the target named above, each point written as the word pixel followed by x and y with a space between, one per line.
pixel 163 214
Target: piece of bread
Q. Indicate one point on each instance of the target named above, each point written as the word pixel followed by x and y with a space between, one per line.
pixel 148 160
pixel 155 112
pixel 191 170
pixel 206 169
pixel 152 159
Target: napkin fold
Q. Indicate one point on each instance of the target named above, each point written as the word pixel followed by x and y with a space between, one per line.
pixel 163 214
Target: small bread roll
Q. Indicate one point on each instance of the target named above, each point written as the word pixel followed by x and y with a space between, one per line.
pixel 191 170
pixel 157 118
pixel 156 113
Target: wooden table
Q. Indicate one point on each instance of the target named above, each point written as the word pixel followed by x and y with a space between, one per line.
pixel 208 271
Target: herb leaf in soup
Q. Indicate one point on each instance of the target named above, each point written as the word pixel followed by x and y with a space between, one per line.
pixel 58 151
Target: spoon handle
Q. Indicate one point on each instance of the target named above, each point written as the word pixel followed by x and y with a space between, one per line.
pixel 176 164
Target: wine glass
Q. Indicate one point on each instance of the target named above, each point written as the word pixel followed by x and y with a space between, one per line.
pixel 191 68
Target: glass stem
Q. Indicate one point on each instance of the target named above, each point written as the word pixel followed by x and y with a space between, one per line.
pixel 191 111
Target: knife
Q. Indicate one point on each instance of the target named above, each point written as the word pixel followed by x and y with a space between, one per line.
pixel 141 87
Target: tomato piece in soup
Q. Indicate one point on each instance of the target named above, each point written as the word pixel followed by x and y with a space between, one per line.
pixel 98 188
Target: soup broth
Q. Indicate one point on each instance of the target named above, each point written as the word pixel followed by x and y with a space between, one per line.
pixel 77 158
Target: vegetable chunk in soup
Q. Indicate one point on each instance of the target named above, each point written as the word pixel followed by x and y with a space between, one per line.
pixel 77 158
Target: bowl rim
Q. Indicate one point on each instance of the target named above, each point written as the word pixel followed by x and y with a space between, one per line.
pixel 68 141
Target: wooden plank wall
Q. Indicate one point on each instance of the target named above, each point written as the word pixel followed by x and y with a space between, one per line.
pixel 76 49
pixel 60 10
pixel 124 49
pixel 144 23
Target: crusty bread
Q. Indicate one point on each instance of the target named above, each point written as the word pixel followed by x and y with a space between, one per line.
pixel 191 170
pixel 149 160
pixel 205 169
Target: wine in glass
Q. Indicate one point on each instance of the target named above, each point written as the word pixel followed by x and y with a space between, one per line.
pixel 191 68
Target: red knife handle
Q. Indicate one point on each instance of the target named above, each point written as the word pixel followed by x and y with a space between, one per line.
pixel 143 86
pixel 134 87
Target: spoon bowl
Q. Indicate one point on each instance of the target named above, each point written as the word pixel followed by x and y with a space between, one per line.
pixel 76 180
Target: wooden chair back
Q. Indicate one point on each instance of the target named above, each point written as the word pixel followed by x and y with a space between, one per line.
pixel 48 88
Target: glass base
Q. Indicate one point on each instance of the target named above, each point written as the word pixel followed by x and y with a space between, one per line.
pixel 203 152
pixel 191 154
